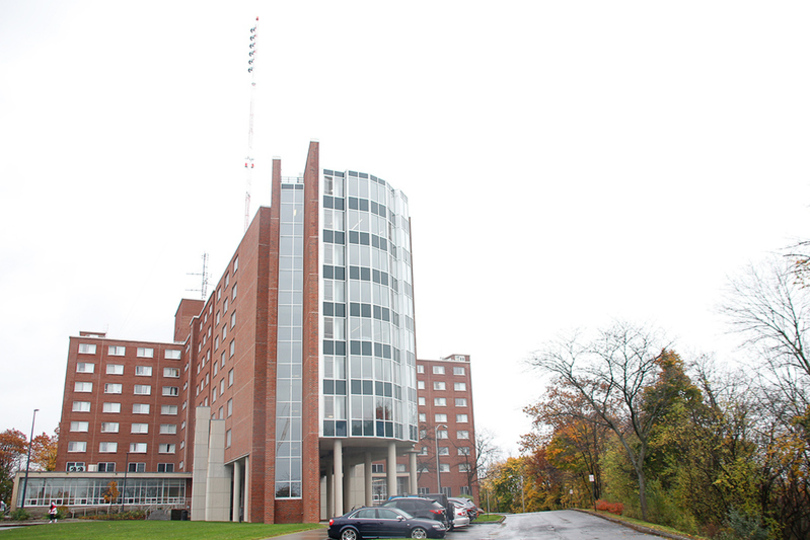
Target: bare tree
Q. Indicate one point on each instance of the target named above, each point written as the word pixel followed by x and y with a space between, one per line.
pixel 611 373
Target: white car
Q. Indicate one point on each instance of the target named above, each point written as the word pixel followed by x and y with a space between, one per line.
pixel 460 517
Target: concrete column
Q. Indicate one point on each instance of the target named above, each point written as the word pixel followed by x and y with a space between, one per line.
pixel 246 490
pixel 391 469
pixel 218 487
pixel 347 485
pixel 237 490
pixel 330 495
pixel 337 452
pixel 369 496
pixel 199 468
pixel 412 473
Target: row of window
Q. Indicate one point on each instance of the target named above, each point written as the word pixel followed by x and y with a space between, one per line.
pixel 117 388
pixel 118 369
pixel 439 370
pixel 441 385
pixel 112 447
pixel 445 451
pixel 137 408
pixel 445 467
pixel 79 466
pixel 120 350
pixel 460 419
pixel 442 402
pixel 113 427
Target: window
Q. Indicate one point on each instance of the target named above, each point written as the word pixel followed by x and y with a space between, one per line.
pixel 228 439
pixel 444 451
pixel 113 388
pixel 422 434
pixel 83 387
pixel 227 279
pixel 110 427
pixel 438 370
pixel 165 467
pixel 221 413
pixel 440 402
pixel 464 450
pixel 230 407
pixel 87 348
pixel 115 369
pixel 221 386
pixel 81 406
pixel 442 434
pixel 137 467
pixel 168 409
pixel 444 467
pixel 420 368
pixel 79 426
pixel 146 352
pixel 140 408
pixel 423 469
pixel 420 385
pixel 172 354
pixel 166 448
pixel 106 467
pixel 463 434
pixel 461 419
pixel 422 417
pixel 216 342
pixel 171 373
pixel 233 295
pixel 108 447
pixel 461 402
pixel 378 468
pixel 464 467
pixel 230 378
pixel 222 360
pixel 85 367
pixel 143 389
pixel 111 407
pixel 143 371
pixel 75 466
pixel 137 448
pixel 77 446
pixel 460 387
pixel 140 428
pixel 465 490
pixel 441 418
pixel 423 451
pixel 225 306
pixel 439 385
pixel 235 264
pixel 214 395
pixel 423 490
pixel 233 348
pixel 420 400
pixel 168 429
pixel 171 390
pixel 233 319
pixel 458 370
pixel 116 350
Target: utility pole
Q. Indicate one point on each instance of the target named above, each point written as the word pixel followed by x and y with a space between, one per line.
pixel 438 466
pixel 28 463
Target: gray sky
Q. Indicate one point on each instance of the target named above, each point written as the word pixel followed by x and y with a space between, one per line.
pixel 567 164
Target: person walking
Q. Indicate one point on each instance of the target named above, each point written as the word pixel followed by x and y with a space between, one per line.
pixel 52 512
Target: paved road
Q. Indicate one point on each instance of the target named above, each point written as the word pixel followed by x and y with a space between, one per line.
pixel 557 525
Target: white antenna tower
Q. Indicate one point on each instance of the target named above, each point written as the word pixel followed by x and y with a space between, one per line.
pixel 254 33
pixel 203 290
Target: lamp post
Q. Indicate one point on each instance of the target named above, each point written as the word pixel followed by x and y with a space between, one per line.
pixel 438 468
pixel 124 484
pixel 28 463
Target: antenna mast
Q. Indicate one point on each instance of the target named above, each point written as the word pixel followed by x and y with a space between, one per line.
pixel 204 285
pixel 254 33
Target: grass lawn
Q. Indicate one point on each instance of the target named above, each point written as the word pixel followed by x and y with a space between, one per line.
pixel 485 518
pixel 654 526
pixel 164 530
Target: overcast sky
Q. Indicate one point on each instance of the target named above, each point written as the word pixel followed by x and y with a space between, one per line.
pixel 567 164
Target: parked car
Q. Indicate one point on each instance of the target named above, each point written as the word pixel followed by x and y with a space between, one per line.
pixel 472 510
pixel 370 522
pixel 461 518
pixel 443 500
pixel 420 507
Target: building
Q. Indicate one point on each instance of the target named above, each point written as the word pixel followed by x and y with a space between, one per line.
pixel 280 393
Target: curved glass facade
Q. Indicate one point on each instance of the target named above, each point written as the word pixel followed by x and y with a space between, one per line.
pixel 368 360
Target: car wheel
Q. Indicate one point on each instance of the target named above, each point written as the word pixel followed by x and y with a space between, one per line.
pixel 418 532
pixel 350 534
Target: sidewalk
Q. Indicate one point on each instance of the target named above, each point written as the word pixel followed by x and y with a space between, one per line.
pixel 313 534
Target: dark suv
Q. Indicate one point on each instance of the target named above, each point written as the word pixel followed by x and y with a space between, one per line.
pixel 420 507
pixel 449 506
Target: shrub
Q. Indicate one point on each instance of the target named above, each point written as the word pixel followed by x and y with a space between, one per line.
pixel 743 527
pixel 613 508
pixel 20 514
pixel 121 516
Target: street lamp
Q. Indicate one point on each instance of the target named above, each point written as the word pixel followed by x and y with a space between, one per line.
pixel 436 440
pixel 28 463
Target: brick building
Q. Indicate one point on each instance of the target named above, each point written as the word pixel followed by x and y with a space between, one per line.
pixel 278 391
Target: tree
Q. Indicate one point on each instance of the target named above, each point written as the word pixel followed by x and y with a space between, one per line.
pixel 13 448
pixel 112 493
pixel 611 373
pixel 43 451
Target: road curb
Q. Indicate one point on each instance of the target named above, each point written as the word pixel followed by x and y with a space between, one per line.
pixel 638 528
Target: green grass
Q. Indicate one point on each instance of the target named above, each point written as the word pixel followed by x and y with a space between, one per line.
pixel 164 530
pixel 487 518
pixel 654 526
